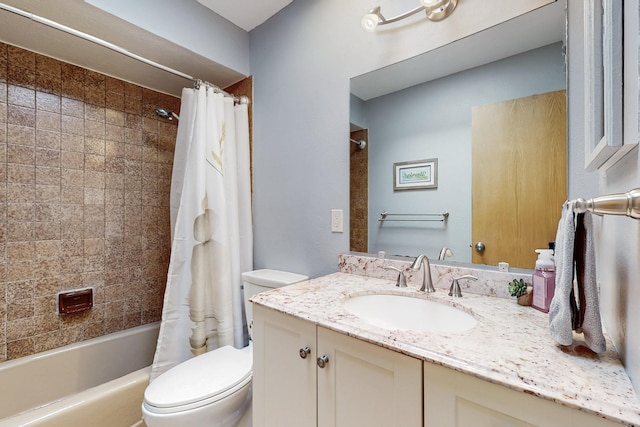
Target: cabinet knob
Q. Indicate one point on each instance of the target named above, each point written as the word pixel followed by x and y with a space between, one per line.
pixel 322 361
pixel 304 352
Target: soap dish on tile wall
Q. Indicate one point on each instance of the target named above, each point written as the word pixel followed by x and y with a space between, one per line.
pixel 75 300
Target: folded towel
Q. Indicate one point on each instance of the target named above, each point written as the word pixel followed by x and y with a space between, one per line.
pixel 560 310
pixel 589 315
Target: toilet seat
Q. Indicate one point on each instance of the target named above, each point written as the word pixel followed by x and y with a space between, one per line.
pixel 200 381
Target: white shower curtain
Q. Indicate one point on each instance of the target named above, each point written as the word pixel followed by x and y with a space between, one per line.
pixel 211 230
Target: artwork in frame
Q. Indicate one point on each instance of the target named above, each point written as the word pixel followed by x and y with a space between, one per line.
pixel 415 175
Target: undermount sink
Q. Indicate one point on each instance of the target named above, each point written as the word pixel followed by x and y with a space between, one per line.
pixel 390 311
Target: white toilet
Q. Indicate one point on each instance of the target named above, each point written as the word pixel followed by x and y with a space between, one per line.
pixel 213 389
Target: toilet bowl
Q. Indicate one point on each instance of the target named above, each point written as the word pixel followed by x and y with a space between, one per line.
pixel 213 389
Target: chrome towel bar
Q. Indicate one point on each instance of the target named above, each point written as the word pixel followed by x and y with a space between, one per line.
pixel 441 217
pixel 612 204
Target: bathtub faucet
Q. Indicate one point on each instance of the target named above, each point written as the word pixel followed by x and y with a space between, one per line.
pixel 427 284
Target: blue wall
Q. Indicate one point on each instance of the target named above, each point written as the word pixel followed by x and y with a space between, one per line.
pixel 434 120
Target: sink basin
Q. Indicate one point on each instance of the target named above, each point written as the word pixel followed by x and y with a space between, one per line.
pixel 407 313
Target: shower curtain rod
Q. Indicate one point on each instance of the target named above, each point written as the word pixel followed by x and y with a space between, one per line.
pixel 113 47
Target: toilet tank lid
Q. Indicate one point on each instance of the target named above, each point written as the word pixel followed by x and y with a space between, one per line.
pixel 272 278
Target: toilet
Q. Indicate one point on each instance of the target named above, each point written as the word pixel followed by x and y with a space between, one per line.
pixel 213 389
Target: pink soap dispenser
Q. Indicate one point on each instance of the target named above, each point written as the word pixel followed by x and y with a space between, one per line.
pixel 544 280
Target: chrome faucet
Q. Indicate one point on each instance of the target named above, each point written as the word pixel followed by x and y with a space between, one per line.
pixel 427 284
pixel 454 290
pixel 444 252
pixel 402 281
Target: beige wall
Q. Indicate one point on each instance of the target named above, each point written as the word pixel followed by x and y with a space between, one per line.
pixel 85 167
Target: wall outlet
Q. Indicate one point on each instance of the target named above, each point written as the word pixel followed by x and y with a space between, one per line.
pixel 337 221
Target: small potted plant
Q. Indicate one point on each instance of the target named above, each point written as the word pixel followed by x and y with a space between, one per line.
pixel 519 289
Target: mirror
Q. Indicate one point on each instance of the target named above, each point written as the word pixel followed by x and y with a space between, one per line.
pixel 421 109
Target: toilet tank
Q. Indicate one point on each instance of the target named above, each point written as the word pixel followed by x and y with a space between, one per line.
pixel 255 282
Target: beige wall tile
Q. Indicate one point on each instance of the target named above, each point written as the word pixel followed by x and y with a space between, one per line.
pixel 20 291
pixel 21 251
pixel 48 139
pixel 71 142
pixel 21 174
pixel 21 96
pixel 48 101
pixel 84 165
pixel 72 125
pixel 20 231
pixel 72 107
pixel 21 212
pixel 48 176
pixel 21 154
pixel 72 160
pixel 21 116
pixel 48 249
pixel 48 158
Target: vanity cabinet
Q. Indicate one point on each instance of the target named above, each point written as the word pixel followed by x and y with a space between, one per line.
pixel 307 375
pixel 454 399
pixel 284 383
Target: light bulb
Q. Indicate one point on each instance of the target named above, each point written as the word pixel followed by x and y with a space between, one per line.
pixel 370 22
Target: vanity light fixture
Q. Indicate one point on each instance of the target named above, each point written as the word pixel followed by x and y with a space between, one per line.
pixel 436 10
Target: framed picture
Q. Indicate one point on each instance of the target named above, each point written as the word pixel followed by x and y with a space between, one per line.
pixel 415 175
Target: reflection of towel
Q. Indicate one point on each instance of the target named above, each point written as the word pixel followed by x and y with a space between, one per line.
pixel 589 314
pixel 560 310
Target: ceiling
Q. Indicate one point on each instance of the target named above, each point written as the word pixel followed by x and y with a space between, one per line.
pixel 26 33
pixel 246 14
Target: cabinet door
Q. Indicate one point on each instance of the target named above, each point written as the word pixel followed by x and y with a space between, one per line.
pixel 284 383
pixel 453 399
pixel 366 385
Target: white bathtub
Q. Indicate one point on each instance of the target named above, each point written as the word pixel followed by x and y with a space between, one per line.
pixel 98 382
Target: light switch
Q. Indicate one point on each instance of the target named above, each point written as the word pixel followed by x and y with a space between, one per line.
pixel 337 221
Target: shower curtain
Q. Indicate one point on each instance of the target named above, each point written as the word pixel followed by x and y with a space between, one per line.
pixel 211 229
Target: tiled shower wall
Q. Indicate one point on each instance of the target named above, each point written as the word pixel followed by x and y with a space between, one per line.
pixel 359 193
pixel 85 167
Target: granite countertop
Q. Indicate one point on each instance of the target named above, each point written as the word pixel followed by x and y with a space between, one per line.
pixel 510 345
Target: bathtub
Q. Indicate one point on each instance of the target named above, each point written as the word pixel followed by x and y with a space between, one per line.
pixel 97 382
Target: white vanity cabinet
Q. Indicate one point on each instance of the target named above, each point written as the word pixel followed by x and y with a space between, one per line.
pixel 358 384
pixel 284 383
pixel 454 399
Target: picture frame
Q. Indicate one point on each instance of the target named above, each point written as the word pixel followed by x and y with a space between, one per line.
pixel 415 175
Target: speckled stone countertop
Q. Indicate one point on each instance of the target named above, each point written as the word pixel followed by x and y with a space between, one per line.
pixel 510 345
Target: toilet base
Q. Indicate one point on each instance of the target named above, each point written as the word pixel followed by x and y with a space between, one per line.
pixel 232 411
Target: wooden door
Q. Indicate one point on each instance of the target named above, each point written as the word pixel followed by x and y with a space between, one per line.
pixel 519 177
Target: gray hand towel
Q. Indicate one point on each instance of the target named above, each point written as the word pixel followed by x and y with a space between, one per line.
pixel 591 325
pixel 560 309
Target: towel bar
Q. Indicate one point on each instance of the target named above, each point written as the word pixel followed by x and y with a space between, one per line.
pixel 613 204
pixel 441 217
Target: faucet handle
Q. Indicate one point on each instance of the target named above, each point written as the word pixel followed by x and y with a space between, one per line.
pixel 402 281
pixel 454 290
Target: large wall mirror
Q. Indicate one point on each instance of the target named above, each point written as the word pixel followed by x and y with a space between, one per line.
pixel 433 107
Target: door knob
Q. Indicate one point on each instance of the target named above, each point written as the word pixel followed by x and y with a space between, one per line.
pixel 322 361
pixel 479 247
pixel 304 352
